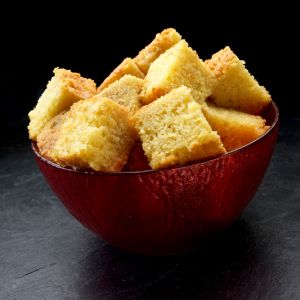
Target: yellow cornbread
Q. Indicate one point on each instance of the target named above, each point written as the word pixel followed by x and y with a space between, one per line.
pixel 126 91
pixel 174 131
pixel 163 41
pixel 234 127
pixel 236 88
pixel 49 134
pixel 62 91
pixel 180 108
pixel 127 66
pixel 95 134
pixel 179 65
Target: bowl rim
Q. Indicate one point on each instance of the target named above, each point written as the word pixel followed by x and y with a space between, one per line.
pixel 99 173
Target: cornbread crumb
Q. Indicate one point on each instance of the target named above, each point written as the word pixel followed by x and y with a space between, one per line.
pixel 163 41
pixel 126 91
pixel 179 65
pixel 96 134
pixel 62 91
pixel 165 106
pixel 236 87
pixel 234 127
pixel 173 130
pixel 49 134
pixel 127 66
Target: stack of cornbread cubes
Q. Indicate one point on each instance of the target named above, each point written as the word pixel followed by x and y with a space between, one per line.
pixel 179 107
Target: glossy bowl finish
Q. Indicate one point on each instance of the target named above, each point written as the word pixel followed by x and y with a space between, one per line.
pixel 165 211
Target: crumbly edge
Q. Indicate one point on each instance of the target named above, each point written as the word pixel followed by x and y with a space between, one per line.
pixel 127 66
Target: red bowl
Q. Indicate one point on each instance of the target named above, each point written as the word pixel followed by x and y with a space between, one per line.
pixel 165 211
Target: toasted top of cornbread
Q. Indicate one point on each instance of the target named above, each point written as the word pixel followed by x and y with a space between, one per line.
pixel 236 88
pixel 62 91
pixel 127 66
pixel 49 134
pixel 163 41
pixel 179 65
pixel 235 128
pixel 96 133
pixel 174 131
pixel 192 110
pixel 126 91
pixel 81 87
pixel 221 61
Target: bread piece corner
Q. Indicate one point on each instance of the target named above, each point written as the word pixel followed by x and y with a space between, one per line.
pixel 126 91
pixel 235 128
pixel 127 66
pixel 64 89
pixel 96 134
pixel 236 88
pixel 179 65
pixel 174 131
pixel 162 41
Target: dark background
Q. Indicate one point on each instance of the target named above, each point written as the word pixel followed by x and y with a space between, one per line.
pixel 46 254
pixel 94 40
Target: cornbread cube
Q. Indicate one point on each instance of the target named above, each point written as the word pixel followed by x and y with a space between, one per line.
pixel 236 88
pixel 127 66
pixel 179 65
pixel 49 134
pixel 235 128
pixel 96 134
pixel 126 91
pixel 173 130
pixel 163 41
pixel 64 89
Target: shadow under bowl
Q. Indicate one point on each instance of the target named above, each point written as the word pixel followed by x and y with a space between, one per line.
pixel 159 212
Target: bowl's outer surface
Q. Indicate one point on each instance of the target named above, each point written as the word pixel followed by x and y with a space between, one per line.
pixel 166 211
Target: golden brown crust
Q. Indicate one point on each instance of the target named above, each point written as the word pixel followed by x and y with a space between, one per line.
pixel 64 89
pixel 125 91
pixel 127 66
pixel 148 96
pixel 221 61
pixel 179 65
pixel 82 87
pixel 96 134
pixel 163 41
pixel 235 128
pixel 236 88
pixel 47 138
pixel 174 131
pixel 179 127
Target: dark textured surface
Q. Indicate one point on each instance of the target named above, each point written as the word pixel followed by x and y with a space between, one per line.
pixel 46 254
